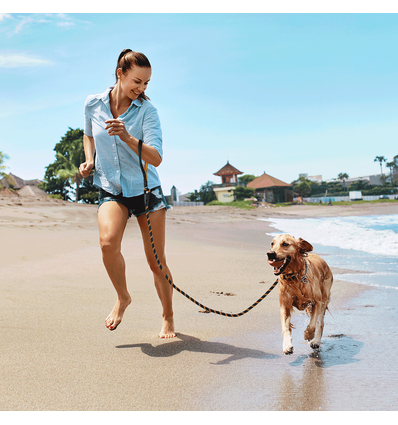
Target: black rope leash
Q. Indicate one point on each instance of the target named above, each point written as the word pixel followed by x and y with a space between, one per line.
pixel 147 192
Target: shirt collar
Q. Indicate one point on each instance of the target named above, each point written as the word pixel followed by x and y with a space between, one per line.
pixel 105 98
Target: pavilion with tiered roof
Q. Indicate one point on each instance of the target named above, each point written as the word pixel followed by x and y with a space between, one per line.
pixel 229 180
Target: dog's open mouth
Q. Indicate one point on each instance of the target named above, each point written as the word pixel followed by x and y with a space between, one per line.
pixel 279 265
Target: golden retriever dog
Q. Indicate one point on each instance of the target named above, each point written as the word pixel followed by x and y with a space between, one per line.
pixel 305 281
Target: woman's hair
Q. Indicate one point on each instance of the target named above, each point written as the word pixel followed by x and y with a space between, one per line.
pixel 127 60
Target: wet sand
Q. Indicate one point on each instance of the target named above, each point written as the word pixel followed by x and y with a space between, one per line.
pixel 58 355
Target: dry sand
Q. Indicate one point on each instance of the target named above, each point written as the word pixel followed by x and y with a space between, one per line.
pixel 57 354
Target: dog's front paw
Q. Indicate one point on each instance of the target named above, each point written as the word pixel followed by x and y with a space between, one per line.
pixel 288 351
pixel 315 345
pixel 288 348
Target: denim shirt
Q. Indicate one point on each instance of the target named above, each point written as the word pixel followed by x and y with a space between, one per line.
pixel 117 168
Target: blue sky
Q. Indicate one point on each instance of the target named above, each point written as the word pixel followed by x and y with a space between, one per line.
pixel 280 93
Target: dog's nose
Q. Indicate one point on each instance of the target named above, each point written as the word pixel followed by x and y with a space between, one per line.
pixel 271 255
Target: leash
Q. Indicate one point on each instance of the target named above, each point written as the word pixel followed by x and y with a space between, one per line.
pixel 147 192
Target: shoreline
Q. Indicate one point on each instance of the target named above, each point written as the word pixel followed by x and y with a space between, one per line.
pixel 55 289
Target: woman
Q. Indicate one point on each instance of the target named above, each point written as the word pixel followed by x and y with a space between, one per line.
pixel 115 122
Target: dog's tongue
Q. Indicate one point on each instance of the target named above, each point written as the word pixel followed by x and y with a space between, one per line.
pixel 276 264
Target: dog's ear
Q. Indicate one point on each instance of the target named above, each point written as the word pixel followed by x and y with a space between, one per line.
pixel 304 246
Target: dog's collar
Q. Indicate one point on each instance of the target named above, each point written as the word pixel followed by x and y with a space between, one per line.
pixel 292 276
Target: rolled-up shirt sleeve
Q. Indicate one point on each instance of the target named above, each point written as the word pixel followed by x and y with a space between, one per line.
pixel 88 129
pixel 152 132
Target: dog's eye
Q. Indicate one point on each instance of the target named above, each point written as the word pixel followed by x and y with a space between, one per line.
pixel 285 244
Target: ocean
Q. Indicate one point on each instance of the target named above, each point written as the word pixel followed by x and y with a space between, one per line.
pixel 365 245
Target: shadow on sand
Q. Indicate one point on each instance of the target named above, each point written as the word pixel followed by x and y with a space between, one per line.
pixel 338 350
pixel 190 343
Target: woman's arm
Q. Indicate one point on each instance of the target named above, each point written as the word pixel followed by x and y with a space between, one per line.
pixel 89 149
pixel 149 154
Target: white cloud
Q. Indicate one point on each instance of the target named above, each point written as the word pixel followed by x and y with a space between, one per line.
pixel 15 60
pixel 61 20
pixel 4 16
pixel 66 24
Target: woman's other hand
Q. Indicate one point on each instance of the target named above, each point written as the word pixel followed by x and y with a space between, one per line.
pixel 85 168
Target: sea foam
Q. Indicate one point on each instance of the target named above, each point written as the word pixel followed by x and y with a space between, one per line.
pixel 371 234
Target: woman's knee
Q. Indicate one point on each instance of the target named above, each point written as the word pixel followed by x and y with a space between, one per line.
pixel 110 244
pixel 157 263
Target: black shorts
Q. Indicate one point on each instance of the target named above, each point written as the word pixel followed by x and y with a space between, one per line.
pixel 135 204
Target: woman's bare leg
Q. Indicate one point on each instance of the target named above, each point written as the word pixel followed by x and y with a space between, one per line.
pixel 112 220
pixel 163 288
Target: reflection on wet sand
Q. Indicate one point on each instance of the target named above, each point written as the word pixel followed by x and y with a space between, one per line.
pixel 308 393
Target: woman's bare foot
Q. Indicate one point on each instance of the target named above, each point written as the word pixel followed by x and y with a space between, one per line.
pixel 116 315
pixel 167 328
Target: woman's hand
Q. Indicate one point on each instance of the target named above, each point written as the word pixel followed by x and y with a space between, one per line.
pixel 85 168
pixel 116 127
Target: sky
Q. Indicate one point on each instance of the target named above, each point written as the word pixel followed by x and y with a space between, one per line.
pixel 281 93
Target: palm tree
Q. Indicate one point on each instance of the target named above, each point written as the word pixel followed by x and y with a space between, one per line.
pixel 380 159
pixel 393 166
pixel 343 176
pixel 70 170
pixel 3 156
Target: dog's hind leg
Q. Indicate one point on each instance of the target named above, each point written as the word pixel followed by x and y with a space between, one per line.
pixel 286 330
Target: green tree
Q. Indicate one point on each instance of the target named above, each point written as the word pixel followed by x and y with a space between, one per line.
pixel 3 157
pixel 393 166
pixel 206 193
pixel 88 193
pixel 343 176
pixel 241 192
pixel 302 186
pixel 64 171
pixel 194 196
pixel 53 184
pixel 247 178
pixel 359 185
pixel 3 174
pixel 380 159
pixel 70 165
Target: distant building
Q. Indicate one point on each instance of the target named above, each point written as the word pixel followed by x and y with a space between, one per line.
pixel 174 194
pixel 229 180
pixel 179 200
pixel 228 174
pixel 317 178
pixel 373 179
pixel 184 197
pixel 272 190
pixel 21 186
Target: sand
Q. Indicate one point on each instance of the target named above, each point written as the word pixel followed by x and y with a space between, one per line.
pixel 57 354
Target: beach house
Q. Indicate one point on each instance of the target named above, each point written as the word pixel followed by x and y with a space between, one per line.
pixel 229 180
pixel 22 187
pixel 271 189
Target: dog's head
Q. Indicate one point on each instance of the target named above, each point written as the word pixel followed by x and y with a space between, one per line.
pixel 284 249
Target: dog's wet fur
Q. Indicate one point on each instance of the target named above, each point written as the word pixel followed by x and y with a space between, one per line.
pixel 300 286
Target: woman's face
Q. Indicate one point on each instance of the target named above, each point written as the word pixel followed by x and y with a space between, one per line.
pixel 134 82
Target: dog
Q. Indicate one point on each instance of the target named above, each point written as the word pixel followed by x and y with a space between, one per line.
pixel 305 282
